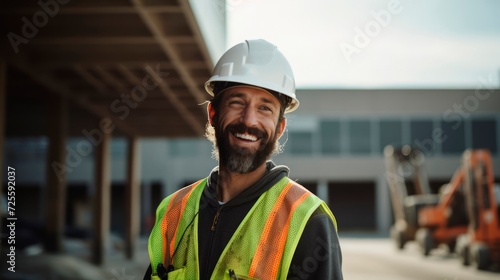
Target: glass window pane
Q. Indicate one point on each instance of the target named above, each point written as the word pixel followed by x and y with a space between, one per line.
pixel 484 135
pixel 359 137
pixel 421 136
pixel 330 137
pixel 300 143
pixel 119 147
pixel 453 138
pixel 390 134
pixel 183 147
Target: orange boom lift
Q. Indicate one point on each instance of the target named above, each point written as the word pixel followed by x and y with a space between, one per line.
pixel 480 245
pixel 444 222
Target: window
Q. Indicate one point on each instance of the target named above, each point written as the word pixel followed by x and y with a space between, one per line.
pixel 359 137
pixel 183 147
pixel 300 143
pixel 453 138
pixel 28 148
pixel 484 135
pixel 119 147
pixel 330 137
pixel 390 134
pixel 421 136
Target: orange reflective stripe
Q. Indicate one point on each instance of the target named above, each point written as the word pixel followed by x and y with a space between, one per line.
pixel 267 258
pixel 171 220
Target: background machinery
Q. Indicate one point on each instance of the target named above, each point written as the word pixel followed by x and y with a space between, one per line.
pixel 480 245
pixel 444 222
pixel 409 190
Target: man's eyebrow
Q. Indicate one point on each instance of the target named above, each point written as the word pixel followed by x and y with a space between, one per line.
pixel 236 94
pixel 241 95
pixel 267 100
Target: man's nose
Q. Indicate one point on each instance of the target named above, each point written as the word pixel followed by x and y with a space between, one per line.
pixel 249 117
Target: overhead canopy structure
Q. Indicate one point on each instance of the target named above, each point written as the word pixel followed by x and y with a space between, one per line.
pixel 99 69
pixel 141 64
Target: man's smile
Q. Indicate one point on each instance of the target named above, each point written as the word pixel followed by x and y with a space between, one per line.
pixel 246 136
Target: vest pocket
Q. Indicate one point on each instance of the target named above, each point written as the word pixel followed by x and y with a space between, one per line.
pixel 242 277
pixel 234 276
pixel 178 274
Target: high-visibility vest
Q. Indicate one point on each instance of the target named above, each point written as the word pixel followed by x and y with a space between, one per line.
pixel 262 246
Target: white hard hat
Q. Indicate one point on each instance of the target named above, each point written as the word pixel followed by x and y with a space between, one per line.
pixel 256 63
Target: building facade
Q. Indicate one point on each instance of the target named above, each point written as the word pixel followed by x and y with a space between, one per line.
pixel 333 145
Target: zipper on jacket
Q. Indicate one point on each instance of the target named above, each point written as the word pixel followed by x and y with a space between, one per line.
pixel 216 219
pixel 212 237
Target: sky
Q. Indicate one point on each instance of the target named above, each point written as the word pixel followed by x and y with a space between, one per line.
pixel 384 44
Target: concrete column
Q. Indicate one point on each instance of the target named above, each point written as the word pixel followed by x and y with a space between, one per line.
pixel 145 206
pixel 382 206
pixel 322 190
pixel 132 198
pixel 55 192
pixel 102 201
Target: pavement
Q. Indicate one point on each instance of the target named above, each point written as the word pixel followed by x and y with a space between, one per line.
pixel 74 263
pixel 364 257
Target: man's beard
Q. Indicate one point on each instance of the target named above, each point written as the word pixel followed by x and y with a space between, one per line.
pixel 243 160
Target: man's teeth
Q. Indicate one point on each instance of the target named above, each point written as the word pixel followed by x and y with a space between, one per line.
pixel 246 137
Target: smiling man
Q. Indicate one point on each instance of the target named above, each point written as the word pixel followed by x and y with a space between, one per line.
pixel 247 219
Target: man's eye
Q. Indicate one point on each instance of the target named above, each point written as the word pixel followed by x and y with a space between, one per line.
pixel 235 102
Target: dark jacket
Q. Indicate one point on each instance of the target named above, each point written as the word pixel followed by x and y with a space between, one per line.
pixel 318 254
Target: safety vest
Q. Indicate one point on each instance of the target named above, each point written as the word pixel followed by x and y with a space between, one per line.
pixel 262 246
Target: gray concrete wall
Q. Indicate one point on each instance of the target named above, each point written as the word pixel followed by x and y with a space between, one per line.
pixel 161 162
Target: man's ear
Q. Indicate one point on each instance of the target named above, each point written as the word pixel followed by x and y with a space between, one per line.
pixel 281 127
pixel 210 113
